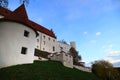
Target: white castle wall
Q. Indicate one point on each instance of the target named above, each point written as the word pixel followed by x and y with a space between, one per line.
pixel 73 44
pixel 12 40
pixel 1 16
pixel 46 43
pixel 63 47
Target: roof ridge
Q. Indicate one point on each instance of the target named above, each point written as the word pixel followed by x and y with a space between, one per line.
pixel 4 11
pixel 21 11
pixel 20 15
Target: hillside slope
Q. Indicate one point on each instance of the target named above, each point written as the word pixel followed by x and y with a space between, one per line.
pixel 44 70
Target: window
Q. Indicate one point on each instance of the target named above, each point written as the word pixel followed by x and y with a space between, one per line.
pixel 44 37
pixel 44 42
pixel 24 50
pixel 53 48
pixel 37 46
pixel 26 33
pixel 43 49
pixel 53 40
pixel 61 48
pixel 37 40
pixel 49 39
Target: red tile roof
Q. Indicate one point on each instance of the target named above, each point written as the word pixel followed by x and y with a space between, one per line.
pixel 20 15
pixel 4 11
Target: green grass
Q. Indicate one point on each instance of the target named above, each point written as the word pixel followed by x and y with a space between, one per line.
pixel 44 70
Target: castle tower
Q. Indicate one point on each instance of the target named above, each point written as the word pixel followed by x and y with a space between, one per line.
pixel 73 44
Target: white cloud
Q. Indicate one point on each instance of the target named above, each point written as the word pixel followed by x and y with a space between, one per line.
pixel 113 57
pixel 114 53
pixel 85 33
pixel 111 60
pixel 107 48
pixel 98 33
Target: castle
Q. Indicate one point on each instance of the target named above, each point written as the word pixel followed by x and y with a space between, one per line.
pixel 19 37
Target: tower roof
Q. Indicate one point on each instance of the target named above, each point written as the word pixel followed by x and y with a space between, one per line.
pixel 4 11
pixel 20 15
pixel 21 12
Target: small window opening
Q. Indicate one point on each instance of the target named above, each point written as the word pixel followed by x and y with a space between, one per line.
pixel 26 33
pixel 44 37
pixel 24 50
pixel 49 39
pixel 53 48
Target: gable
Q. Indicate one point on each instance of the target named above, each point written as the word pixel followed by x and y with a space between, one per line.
pixel 4 11
pixel 20 15
pixel 21 12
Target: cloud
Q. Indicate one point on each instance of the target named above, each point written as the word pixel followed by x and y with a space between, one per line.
pixel 112 60
pixel 107 48
pixel 85 33
pixel 114 53
pixel 98 33
pixel 114 57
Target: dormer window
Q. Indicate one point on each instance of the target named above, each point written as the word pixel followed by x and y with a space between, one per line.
pixel 26 33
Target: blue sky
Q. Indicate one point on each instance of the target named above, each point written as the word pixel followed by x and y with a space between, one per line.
pixel 93 24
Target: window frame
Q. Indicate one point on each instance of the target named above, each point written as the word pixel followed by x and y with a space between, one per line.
pixel 26 33
pixel 24 50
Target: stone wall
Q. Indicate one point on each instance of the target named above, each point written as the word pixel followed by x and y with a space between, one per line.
pixel 63 57
pixel 82 68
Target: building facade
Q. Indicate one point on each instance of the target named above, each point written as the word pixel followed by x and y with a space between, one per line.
pixel 17 43
pixel 63 46
pixel 20 36
pixel 46 43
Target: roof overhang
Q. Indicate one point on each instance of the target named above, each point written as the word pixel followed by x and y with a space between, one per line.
pixel 3 20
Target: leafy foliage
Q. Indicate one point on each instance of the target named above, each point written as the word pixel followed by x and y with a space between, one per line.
pixel 75 55
pixel 105 70
pixel 4 3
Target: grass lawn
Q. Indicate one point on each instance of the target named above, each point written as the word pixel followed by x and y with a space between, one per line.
pixel 44 70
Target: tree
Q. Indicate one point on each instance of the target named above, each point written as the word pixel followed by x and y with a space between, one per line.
pixel 105 70
pixel 75 55
pixel 4 3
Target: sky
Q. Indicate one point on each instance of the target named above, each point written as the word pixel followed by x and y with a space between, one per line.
pixel 93 24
